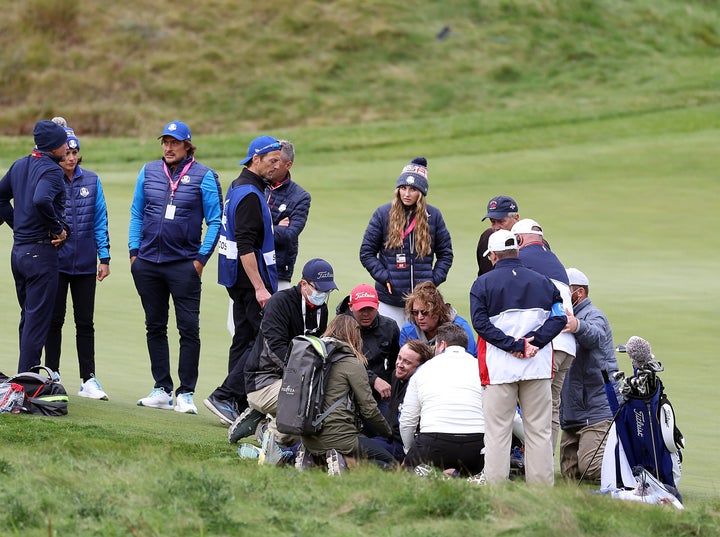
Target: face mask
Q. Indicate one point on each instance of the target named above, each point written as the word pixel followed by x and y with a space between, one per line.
pixel 317 298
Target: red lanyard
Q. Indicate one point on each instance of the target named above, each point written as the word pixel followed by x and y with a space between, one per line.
pixel 409 229
pixel 174 185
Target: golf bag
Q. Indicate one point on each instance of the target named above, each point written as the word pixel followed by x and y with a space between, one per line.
pixel 643 433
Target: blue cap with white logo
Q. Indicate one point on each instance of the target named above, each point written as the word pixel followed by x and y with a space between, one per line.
pixel 178 130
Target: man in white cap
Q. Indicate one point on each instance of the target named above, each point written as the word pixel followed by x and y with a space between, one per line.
pixel 517 313
pixel 585 414
pixel 535 254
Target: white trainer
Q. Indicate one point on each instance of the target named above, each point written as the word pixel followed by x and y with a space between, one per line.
pixel 92 390
pixel 184 403
pixel 158 398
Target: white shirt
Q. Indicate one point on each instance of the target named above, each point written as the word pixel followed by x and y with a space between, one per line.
pixel 444 396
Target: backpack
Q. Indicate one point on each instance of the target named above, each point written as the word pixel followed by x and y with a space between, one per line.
pixel 43 394
pixel 302 392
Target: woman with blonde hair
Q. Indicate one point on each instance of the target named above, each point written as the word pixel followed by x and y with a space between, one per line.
pixel 340 441
pixel 406 242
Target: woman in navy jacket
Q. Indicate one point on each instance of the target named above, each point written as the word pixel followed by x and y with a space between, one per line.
pixel 86 214
pixel 406 242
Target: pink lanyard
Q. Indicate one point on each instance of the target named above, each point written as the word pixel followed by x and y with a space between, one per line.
pixel 174 185
pixel 409 229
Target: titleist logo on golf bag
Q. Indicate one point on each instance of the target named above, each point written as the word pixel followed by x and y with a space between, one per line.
pixel 639 422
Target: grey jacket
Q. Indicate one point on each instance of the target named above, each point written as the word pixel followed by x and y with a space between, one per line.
pixel 340 430
pixel 583 400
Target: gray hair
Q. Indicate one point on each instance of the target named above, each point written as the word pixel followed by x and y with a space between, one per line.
pixel 287 151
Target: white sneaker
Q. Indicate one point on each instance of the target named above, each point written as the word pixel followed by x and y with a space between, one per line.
pixel 158 398
pixel 92 390
pixel 184 403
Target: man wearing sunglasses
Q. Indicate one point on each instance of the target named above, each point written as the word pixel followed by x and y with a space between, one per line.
pixel 246 266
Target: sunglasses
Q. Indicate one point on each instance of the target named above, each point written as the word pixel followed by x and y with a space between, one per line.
pixel 416 313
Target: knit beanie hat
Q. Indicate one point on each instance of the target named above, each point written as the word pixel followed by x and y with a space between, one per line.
pixel 415 175
pixel 72 140
pixel 48 135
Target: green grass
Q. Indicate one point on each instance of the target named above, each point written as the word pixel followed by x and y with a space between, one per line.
pixel 224 66
pixel 601 118
pixel 630 200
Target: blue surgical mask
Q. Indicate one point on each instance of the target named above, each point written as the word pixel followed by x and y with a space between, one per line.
pixel 317 298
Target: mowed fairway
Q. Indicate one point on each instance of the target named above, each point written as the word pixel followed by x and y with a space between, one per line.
pixel 636 211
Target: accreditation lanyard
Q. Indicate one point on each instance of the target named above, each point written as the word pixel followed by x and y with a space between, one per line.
pixel 409 229
pixel 304 313
pixel 174 184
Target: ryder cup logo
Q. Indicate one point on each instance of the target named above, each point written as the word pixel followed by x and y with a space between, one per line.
pixel 172 127
pixel 185 180
pixel 84 192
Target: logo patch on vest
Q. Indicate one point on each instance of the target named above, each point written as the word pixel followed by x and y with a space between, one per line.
pixel 185 180
pixel 84 192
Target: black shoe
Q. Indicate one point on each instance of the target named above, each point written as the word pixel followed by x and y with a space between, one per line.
pixel 222 408
pixel 244 425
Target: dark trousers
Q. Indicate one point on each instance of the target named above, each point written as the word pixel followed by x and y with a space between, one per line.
pixel 35 269
pixel 392 446
pixel 444 450
pixel 247 315
pixel 82 288
pixel 156 283
pixel 375 453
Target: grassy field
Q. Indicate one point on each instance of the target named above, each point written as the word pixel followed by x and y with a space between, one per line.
pixel 629 200
pixel 600 117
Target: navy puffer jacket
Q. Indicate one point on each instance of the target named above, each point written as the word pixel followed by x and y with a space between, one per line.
pixel 382 263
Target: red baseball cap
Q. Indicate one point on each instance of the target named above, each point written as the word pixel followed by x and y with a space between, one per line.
pixel 364 296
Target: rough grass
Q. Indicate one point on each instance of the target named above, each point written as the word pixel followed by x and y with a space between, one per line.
pixel 125 68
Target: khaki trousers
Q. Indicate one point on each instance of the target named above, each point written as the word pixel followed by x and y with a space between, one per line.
pixel 499 402
pixel 579 451
pixel 265 401
pixel 561 364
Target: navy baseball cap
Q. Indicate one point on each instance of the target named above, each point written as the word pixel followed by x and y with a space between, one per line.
pixel 260 146
pixel 500 206
pixel 319 273
pixel 178 130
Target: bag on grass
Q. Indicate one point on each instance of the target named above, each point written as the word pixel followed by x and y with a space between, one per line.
pixel 43 394
pixel 302 392
pixel 12 397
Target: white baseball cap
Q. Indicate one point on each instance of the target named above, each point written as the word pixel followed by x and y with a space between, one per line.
pixel 576 277
pixel 501 240
pixel 527 225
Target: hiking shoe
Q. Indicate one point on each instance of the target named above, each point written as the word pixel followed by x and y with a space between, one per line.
pixel 184 403
pixel 158 398
pixel 244 425
pixel 303 459
pixel 92 390
pixel 477 479
pixel 222 408
pixel 248 451
pixel 425 470
pixel 335 462
pixel 272 453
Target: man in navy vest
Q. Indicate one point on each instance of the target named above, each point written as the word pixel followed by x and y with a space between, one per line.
pixel 173 196
pixel 36 186
pixel 246 267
